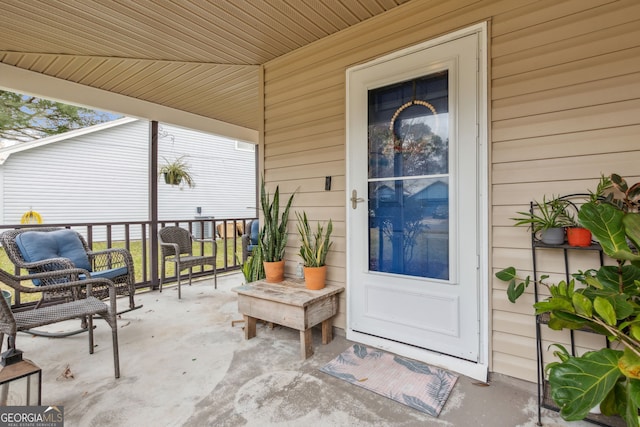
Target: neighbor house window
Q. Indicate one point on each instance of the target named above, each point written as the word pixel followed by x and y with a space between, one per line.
pixel 245 146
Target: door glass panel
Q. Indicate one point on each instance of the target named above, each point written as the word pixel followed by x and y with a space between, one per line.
pixel 408 128
pixel 408 177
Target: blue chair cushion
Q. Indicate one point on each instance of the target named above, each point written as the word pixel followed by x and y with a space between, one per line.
pixel 254 233
pixel 41 245
pixel 110 274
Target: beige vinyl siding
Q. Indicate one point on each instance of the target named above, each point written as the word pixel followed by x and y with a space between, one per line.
pixel 564 108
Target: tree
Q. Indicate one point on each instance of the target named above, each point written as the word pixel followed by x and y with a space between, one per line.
pixel 25 118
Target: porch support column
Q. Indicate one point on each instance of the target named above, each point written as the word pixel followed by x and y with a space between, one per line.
pixel 153 203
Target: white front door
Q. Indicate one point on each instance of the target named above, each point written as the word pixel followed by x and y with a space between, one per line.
pixel 414 207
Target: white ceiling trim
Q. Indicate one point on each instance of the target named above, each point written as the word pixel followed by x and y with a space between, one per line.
pixel 15 79
pixel 23 146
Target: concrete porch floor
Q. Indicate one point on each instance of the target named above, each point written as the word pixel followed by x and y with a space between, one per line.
pixel 183 364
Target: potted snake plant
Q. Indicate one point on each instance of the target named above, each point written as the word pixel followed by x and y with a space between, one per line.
pixel 273 235
pixel 313 251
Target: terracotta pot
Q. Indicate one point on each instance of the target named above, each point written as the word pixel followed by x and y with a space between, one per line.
pixel 274 271
pixel 577 236
pixel 315 277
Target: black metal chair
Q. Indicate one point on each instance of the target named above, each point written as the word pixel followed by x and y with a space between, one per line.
pixel 176 245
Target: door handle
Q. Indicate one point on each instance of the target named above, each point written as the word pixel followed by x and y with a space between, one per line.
pixel 355 199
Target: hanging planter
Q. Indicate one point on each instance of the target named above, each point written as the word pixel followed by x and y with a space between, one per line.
pixel 172 179
pixel 177 172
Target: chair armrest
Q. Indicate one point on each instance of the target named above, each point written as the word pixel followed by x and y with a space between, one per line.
pixel 51 264
pixel 111 253
pixel 88 283
pixel 176 248
pixel 111 258
pixel 70 274
pixel 209 240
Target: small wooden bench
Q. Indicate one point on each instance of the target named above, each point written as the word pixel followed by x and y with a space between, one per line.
pixel 289 303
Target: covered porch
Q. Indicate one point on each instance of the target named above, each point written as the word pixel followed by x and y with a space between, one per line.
pixel 183 363
pixel 557 106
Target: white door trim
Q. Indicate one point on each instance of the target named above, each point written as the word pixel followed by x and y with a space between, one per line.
pixel 474 370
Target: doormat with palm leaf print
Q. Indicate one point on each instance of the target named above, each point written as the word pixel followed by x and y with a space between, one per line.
pixel 407 381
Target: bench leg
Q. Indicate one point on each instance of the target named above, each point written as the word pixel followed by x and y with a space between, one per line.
pixel 306 343
pixel 327 331
pixel 249 327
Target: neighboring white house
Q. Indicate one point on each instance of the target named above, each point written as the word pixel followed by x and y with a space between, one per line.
pixel 101 174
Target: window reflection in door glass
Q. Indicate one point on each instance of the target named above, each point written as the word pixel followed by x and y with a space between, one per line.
pixel 408 128
pixel 409 227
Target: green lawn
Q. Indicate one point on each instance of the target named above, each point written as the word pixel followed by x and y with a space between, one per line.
pixel 136 252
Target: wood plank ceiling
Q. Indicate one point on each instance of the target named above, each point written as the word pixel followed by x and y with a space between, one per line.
pixel 198 56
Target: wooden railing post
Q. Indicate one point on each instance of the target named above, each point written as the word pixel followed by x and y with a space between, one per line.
pixel 153 203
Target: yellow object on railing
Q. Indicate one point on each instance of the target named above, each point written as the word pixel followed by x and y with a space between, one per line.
pixel 31 217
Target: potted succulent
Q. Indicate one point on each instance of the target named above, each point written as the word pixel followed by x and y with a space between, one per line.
pixel 313 251
pixel 547 220
pixel 273 235
pixel 177 172
pixel 605 302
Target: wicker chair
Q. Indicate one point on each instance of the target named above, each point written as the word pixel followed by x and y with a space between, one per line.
pixel 84 308
pixel 115 264
pixel 176 245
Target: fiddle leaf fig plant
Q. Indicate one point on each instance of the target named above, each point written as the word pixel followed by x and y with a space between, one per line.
pixel 605 301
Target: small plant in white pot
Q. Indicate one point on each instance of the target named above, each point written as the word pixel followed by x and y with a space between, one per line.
pixel 547 220
pixel 314 247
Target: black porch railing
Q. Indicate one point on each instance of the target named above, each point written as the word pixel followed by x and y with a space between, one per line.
pixel 136 237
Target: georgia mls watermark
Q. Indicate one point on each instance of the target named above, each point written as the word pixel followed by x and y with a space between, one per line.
pixel 31 416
